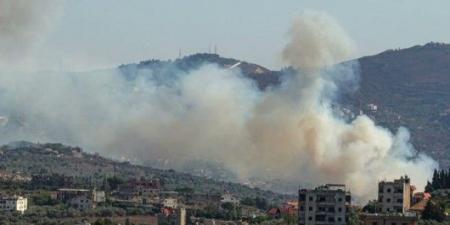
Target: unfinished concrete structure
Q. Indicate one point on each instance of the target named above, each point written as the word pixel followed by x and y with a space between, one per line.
pixel 395 196
pixel 324 205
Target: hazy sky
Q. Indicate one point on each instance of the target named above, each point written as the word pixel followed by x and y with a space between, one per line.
pixel 101 33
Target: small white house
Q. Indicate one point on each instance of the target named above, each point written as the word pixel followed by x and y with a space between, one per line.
pixel 13 203
pixel 229 198
pixel 170 203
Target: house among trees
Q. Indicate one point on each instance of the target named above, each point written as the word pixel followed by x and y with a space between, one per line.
pixel 81 198
pixel 140 191
pixel 13 203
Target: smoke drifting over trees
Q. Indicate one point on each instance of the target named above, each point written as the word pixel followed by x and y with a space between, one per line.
pixel 23 24
pixel 289 132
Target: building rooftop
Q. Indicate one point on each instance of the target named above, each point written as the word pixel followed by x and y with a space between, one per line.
pixel 73 190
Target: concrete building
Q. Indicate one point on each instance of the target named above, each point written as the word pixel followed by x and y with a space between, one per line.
pixel 324 205
pixel 81 198
pixel 13 203
pixel 140 191
pixel 395 196
pixel 229 198
pixel 175 217
pixel 170 203
pixel 389 219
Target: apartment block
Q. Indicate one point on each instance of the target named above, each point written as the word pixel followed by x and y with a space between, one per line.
pixel 395 196
pixel 324 205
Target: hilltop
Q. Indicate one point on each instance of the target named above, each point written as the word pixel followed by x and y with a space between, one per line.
pixel 408 87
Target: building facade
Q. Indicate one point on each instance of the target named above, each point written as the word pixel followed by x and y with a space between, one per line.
pixel 389 219
pixel 140 191
pixel 324 205
pixel 14 203
pixel 81 198
pixel 395 196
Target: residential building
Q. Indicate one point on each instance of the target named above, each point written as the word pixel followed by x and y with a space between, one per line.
pixel 389 219
pixel 173 217
pixel 81 198
pixel 324 205
pixel 13 203
pixel 170 203
pixel 395 196
pixel 140 191
pixel 289 208
pixel 229 198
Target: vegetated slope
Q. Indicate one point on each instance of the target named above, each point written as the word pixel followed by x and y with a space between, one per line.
pixel 410 87
pixel 45 159
pixel 159 68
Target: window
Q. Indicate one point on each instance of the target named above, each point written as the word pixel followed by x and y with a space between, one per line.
pixel 339 199
pixel 388 190
pixel 311 198
pixel 302 197
pixel 393 223
pixel 310 218
pixel 310 208
pixel 374 223
pixel 339 209
pixel 388 200
pixel 339 219
pixel 302 208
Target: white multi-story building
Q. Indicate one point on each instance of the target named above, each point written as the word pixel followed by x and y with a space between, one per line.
pixel 395 196
pixel 14 203
pixel 324 205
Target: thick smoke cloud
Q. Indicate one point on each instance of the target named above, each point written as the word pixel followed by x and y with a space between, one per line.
pixel 290 133
pixel 23 24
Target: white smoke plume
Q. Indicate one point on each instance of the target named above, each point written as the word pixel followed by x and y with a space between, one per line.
pixel 23 25
pixel 290 132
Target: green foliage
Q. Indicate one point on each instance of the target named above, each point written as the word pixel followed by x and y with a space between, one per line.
pixel 371 207
pixel 114 182
pixel 434 211
pixel 103 222
pixel 44 199
pixel 432 222
pixel 258 202
pixel 353 218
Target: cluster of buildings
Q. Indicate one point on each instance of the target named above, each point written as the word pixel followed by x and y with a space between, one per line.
pixel 81 199
pixel 331 205
pixel 13 203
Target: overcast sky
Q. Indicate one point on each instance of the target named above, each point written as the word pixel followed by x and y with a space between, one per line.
pixel 102 33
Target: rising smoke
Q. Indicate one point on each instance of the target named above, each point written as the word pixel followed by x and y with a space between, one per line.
pixel 289 132
pixel 23 25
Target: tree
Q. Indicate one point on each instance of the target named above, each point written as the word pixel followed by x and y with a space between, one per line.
pixel 114 182
pixel 353 218
pixel 429 187
pixel 371 207
pixel 261 203
pixel 433 211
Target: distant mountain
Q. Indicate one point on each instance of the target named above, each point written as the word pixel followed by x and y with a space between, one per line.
pixel 404 87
